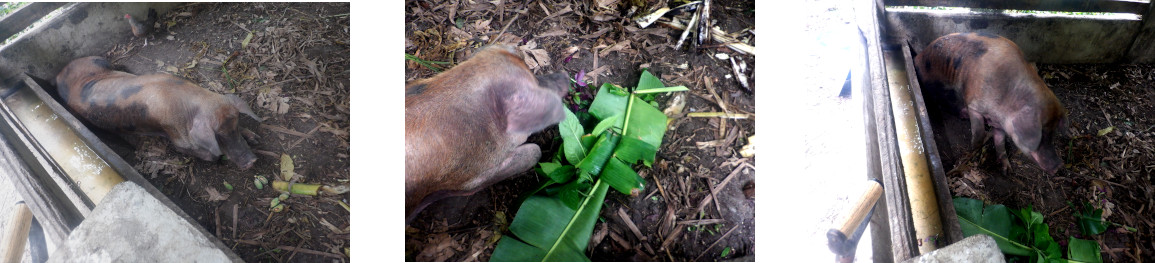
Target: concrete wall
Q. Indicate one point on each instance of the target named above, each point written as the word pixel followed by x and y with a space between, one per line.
pixel 82 29
pixel 1042 39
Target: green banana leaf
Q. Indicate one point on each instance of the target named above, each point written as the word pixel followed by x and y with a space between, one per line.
pixel 631 150
pixel 548 230
pixel 596 159
pixel 557 227
pixel 619 175
pixel 571 132
pixel 994 221
pixel 1083 250
pixel 1091 220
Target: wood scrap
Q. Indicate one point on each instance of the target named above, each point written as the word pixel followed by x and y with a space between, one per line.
pixel 630 224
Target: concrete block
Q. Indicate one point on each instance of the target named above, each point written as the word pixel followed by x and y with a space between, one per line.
pixel 130 225
pixel 976 248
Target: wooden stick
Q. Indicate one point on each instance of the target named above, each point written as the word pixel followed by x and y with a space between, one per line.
pixel 719 187
pixel 630 223
pixel 16 235
pixel 857 213
pixel 494 38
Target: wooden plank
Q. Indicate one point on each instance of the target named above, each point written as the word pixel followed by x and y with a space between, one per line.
pixel 1107 6
pixel 1143 47
pixel 1042 39
pixel 882 148
pixel 20 19
pixel 879 221
pixel 951 230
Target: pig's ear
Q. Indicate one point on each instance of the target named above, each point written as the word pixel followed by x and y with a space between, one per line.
pixel 203 136
pixel 1026 128
pixel 242 107
pixel 531 110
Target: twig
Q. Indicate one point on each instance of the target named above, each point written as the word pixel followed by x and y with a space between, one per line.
pixel 630 223
pixel 308 135
pixel 717 99
pixel 693 22
pixel 595 54
pixel 717 207
pixel 740 74
pixel 217 219
pixel 1057 211
pixel 235 220
pixel 302 242
pixel 704 24
pixel 494 38
pixel 700 222
pixel 284 130
pixel 294 249
pixel 725 115
pixel 721 103
pixel 716 242
pixel 722 185
pixel 660 189
pixel 670 239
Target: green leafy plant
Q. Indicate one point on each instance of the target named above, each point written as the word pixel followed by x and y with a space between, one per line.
pixel 555 223
pixel 1020 232
pixel 1091 220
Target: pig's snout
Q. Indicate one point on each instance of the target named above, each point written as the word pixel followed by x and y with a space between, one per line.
pixel 237 149
pixel 557 82
pixel 1048 160
pixel 245 162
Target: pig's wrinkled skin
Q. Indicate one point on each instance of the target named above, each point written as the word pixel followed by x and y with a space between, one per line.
pixel 465 128
pixel 199 122
pixel 988 80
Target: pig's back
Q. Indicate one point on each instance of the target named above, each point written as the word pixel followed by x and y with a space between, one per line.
pixel 952 59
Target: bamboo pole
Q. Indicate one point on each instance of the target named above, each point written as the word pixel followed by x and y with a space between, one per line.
pixel 920 188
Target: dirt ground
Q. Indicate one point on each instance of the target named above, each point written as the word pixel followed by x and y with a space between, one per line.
pixel 1111 171
pixel 610 47
pixel 294 73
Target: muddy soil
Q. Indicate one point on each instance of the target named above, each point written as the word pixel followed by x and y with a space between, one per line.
pixel 293 71
pixel 1111 169
pixel 610 47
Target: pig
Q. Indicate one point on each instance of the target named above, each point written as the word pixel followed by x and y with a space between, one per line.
pixel 466 128
pixel 987 80
pixel 199 122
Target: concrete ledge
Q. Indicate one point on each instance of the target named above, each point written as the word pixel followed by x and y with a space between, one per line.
pixel 976 248
pixel 130 225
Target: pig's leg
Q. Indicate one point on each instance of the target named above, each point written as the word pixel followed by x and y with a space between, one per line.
pixel 1000 148
pixel 978 130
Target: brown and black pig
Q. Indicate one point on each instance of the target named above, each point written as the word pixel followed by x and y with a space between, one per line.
pixel 199 122
pixel 986 78
pixel 466 128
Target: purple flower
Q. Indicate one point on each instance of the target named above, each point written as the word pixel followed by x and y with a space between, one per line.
pixel 579 77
